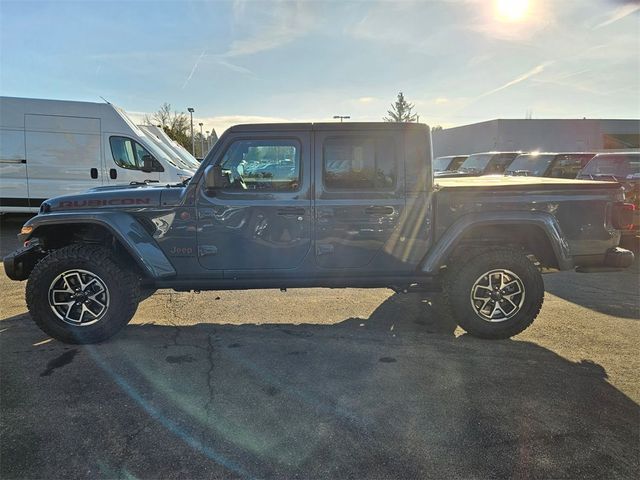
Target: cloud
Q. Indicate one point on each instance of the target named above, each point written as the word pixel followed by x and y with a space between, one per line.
pixel 519 79
pixel 366 100
pixel 441 100
pixel 195 66
pixel 619 13
pixel 271 25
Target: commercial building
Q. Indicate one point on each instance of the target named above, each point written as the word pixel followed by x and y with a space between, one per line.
pixel 551 135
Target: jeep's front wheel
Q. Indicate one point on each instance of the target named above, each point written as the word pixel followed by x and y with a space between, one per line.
pixel 80 294
pixel 493 293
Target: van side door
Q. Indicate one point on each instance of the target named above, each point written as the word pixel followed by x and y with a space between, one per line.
pixel 359 199
pixel 63 155
pixel 13 171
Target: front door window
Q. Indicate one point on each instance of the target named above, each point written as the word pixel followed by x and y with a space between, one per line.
pixel 264 165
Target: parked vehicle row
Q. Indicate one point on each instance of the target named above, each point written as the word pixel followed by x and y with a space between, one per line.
pixel 621 167
pixel 51 147
pixel 487 163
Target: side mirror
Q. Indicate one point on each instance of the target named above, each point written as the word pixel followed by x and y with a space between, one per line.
pixel 147 164
pixel 214 179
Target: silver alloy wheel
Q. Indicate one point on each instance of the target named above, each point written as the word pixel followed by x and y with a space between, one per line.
pixel 78 297
pixel 497 295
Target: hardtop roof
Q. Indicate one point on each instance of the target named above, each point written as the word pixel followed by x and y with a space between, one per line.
pixel 346 126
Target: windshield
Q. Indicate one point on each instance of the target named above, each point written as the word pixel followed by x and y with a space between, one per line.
pixel 441 164
pixel 476 162
pixel 176 159
pixel 614 165
pixel 177 148
pixel 531 165
pixel 155 150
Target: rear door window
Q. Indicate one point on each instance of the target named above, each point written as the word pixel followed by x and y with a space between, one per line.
pixel 359 163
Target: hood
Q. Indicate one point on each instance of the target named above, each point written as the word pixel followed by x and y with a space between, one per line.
pixel 119 196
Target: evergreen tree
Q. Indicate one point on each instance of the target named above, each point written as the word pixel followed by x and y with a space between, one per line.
pixel 401 111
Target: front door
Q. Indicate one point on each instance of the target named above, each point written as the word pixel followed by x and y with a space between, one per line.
pixel 359 200
pixel 260 222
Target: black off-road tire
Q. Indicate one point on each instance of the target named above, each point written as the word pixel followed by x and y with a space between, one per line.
pixel 464 270
pixel 146 292
pixel 122 283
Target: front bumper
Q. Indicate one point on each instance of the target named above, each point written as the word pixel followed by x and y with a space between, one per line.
pixel 18 264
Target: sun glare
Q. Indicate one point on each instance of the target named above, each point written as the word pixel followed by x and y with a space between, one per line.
pixel 511 10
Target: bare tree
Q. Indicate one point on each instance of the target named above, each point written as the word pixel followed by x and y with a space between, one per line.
pixel 175 124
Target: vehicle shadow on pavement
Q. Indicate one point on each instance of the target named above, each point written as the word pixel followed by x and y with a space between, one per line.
pixel 613 293
pixel 383 397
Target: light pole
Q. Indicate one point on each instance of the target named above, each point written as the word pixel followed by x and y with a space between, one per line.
pixel 193 143
pixel 208 147
pixel 201 141
pixel 341 117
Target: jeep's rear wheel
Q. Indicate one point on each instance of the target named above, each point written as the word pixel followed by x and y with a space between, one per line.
pixel 81 294
pixel 493 293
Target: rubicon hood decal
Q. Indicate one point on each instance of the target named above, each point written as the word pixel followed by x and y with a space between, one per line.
pixel 107 199
pixel 93 202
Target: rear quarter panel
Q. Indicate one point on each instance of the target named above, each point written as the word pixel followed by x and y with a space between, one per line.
pixel 583 210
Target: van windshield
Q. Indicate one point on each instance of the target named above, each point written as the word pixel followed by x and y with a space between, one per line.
pixel 530 165
pixel 441 164
pixel 476 163
pixel 613 165
pixel 156 151
pixel 169 152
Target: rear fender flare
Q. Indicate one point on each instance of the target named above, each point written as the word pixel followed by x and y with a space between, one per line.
pixel 441 251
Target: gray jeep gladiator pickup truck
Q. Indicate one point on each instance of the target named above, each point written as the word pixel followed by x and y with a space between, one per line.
pixel 316 205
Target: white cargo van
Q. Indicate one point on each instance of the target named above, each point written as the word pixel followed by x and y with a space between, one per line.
pixel 170 146
pixel 52 147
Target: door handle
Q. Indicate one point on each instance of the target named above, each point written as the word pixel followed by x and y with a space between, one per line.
pixel 206 250
pixel 291 211
pixel 378 210
pixel 94 173
pixel 324 249
pixel 113 174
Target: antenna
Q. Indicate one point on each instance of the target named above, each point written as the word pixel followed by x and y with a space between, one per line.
pixel 105 100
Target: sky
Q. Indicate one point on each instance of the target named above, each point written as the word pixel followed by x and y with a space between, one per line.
pixel 458 61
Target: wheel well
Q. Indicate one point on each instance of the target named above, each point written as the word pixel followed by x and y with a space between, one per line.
pixel 53 237
pixel 531 238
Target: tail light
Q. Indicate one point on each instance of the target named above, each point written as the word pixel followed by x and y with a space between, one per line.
pixel 623 216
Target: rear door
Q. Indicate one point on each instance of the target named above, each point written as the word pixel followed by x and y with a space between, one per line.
pixel 63 155
pixel 359 199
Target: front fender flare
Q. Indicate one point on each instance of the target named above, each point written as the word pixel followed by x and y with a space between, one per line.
pixel 125 228
pixel 438 255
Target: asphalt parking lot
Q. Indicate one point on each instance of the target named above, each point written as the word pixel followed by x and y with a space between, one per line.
pixel 326 384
